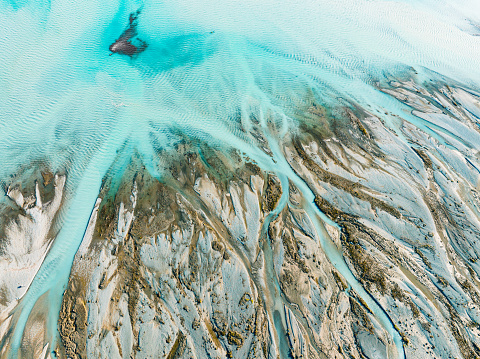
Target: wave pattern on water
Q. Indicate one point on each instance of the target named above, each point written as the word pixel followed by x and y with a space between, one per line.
pixel 240 76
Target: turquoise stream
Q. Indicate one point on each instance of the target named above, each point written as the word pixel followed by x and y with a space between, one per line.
pixel 209 66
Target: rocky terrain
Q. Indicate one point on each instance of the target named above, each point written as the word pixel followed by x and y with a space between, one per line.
pixel 371 230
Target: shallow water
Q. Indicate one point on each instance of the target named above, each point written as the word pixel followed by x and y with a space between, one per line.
pixel 208 68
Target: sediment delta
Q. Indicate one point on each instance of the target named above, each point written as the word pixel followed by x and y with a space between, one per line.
pixel 215 178
pixel 221 258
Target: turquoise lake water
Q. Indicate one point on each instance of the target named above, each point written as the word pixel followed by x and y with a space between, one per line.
pixel 209 65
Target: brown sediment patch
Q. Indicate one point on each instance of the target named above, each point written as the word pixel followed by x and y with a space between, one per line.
pixel 470 289
pixel 291 246
pixel 342 285
pixel 156 207
pixel 217 165
pixel 252 168
pixel 357 123
pixel 364 263
pixel 262 337
pixel 355 189
pixel 72 321
pixel 178 347
pixel 10 212
pixel 192 160
pixel 360 314
pixel 220 323
pixel 316 121
pixel 210 330
pixel 218 246
pixel 423 257
pixel 294 284
pixel 424 157
pixel 106 219
pixel 272 193
pixel 343 219
pixel 155 204
pixel 234 338
pixel 129 270
pixel 3 296
pixel 399 294
pixel 47 177
pixel 346 126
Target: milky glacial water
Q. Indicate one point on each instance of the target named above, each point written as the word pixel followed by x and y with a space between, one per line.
pixel 209 66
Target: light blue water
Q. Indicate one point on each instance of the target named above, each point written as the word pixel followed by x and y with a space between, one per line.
pixel 209 66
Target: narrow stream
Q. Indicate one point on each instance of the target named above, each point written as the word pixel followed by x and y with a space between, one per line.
pixel 54 272
pixel 330 249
